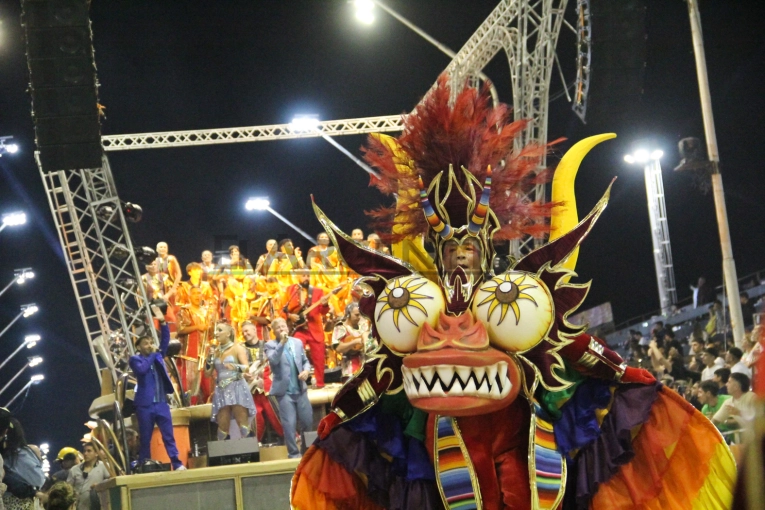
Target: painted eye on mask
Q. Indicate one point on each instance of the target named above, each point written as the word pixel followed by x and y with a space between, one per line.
pixel 516 308
pixel 403 307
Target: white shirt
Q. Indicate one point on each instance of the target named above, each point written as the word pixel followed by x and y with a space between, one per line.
pixel 82 484
pixel 709 372
pixel 741 368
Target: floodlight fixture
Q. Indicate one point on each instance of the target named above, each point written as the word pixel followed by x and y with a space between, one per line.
pixel 257 204
pixel 36 378
pixel 14 219
pixel 31 340
pixel 22 275
pixel 30 309
pixel 7 148
pixel 304 123
pixel 643 156
pixel 365 11
pixel 35 360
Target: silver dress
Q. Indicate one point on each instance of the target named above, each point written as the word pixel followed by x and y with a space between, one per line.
pixel 230 389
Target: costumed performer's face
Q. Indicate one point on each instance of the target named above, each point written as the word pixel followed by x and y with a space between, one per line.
pixel 162 249
pixel 467 254
pixel 207 256
pixel 222 334
pixel 270 245
pixel 195 297
pixel 145 346
pixel 357 235
pixel 234 254
pixel 304 279
pixel 354 317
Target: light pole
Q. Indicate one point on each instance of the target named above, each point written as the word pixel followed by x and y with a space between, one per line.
pixel 729 264
pixel 262 204
pixel 19 277
pixel 29 342
pixel 13 219
pixel 365 14
pixel 35 379
pixel 657 214
pixel 310 123
pixel 31 362
pixel 26 311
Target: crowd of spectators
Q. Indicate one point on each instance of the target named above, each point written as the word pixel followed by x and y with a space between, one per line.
pixel 706 368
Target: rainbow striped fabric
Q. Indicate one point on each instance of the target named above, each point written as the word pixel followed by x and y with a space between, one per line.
pixel 546 465
pixel 456 477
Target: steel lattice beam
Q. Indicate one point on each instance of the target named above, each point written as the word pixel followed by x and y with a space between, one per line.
pixel 101 262
pixel 250 134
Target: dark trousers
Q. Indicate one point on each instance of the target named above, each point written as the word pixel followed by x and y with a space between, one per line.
pixel 159 413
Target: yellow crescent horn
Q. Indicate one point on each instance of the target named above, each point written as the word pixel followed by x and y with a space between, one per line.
pixel 564 216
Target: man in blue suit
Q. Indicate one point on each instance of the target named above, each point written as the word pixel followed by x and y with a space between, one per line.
pixel 290 369
pixel 151 393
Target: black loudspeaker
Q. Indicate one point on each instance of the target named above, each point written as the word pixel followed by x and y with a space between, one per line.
pixel 233 451
pixel 63 83
pixel 618 58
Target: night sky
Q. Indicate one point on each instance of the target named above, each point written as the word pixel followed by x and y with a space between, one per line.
pixel 196 65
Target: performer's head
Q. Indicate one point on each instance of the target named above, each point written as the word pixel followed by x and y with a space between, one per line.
pixel 152 268
pixel 465 253
pixel 249 332
pixel 207 256
pixel 322 239
pixel 357 235
pixel 195 296
pixel 144 345
pixel 280 328
pixel 271 246
pixel 352 314
pixel 162 249
pixel 224 333
pixel 304 277
pixel 194 270
pixel 286 246
pixel 233 253
pixel 89 452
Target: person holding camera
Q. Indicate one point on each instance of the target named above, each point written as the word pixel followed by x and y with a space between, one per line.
pixel 153 386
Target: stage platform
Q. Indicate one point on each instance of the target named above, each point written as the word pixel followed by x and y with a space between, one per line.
pixel 255 486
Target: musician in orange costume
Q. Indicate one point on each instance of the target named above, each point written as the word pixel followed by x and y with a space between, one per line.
pixel 196 279
pixel 194 322
pixel 300 297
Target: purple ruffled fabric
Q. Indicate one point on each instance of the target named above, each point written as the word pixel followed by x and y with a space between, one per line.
pixel 406 481
pixel 597 462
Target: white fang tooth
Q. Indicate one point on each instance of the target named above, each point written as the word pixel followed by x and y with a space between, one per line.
pixel 479 373
pixel 463 373
pixel 438 391
pixel 456 390
pixel 495 394
pixel 470 390
pixel 423 390
pixel 446 374
pixel 427 374
pixel 506 387
pixel 491 372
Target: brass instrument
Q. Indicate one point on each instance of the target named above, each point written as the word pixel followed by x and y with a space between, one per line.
pixel 203 347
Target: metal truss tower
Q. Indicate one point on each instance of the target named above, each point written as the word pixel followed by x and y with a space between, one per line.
pixel 526 30
pixel 101 262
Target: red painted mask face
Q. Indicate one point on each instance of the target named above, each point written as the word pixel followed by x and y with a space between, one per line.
pixel 455 372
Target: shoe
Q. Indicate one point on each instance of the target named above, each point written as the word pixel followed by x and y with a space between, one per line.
pixel 180 468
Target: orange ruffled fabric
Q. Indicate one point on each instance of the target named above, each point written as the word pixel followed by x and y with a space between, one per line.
pixel 322 484
pixel 681 462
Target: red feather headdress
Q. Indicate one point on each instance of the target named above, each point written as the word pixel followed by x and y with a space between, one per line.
pixel 468 133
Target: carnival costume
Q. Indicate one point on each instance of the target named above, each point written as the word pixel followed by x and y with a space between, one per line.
pixel 482 395
pixel 230 388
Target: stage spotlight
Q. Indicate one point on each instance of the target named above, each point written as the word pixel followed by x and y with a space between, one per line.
pixel 133 212
pixel 105 212
pixel 145 255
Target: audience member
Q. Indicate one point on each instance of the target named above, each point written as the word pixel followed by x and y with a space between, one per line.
pixel 24 476
pixel 733 360
pixel 84 476
pixel 62 497
pixel 747 310
pixel 721 378
pixel 711 363
pixel 712 402
pixel 703 293
pixel 737 412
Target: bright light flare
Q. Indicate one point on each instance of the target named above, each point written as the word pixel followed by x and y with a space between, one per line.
pixel 304 123
pixel 365 11
pixel 14 219
pixel 36 378
pixel 29 310
pixel 31 340
pixel 657 154
pixel 642 156
pixel 257 204
pixel 34 361
pixel 23 275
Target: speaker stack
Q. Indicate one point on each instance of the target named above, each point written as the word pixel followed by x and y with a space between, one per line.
pixel 63 83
